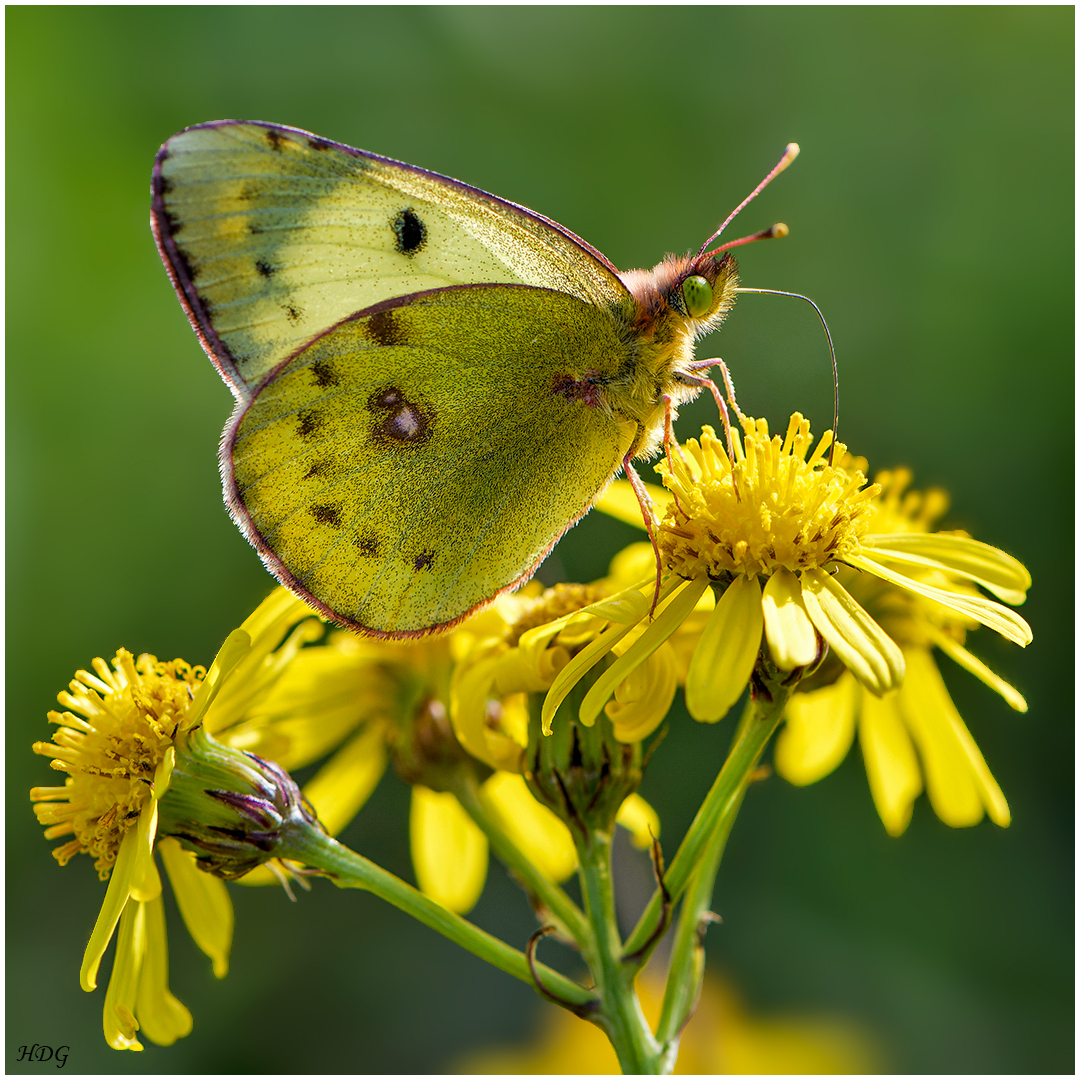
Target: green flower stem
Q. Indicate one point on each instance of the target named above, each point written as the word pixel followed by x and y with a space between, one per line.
pixel 688 954
pixel 760 719
pixel 554 898
pixel 620 1013
pixel 351 871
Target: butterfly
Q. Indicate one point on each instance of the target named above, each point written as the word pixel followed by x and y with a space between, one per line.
pixel 432 384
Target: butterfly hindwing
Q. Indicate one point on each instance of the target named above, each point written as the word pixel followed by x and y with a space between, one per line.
pixel 272 235
pixel 424 455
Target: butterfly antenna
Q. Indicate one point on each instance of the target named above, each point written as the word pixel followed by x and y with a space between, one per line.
pixel 790 154
pixel 832 353
pixel 773 232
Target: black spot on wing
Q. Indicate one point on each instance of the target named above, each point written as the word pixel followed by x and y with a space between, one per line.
pixel 322 371
pixel 265 268
pixel 161 184
pixel 275 139
pixel 309 422
pixel 319 144
pixel 294 313
pixel 327 515
pixel 368 546
pixel 423 561
pixel 319 468
pixel 410 231
pixel 385 328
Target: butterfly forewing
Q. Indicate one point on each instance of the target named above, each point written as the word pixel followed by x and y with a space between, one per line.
pixel 272 235
pixel 421 457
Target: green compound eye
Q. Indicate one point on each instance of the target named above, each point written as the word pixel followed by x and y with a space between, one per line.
pixel 697 293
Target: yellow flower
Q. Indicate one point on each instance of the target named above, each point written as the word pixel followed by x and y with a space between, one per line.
pixel 918 723
pixel 359 702
pixel 118 744
pixel 767 530
pixel 723 1037
pixel 553 644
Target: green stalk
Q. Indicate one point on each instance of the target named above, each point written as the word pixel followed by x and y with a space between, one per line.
pixel 554 898
pixel 760 719
pixel 620 1013
pixel 688 954
pixel 351 871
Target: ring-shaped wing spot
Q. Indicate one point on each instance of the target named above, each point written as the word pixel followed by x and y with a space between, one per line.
pixel 423 456
pixel 272 235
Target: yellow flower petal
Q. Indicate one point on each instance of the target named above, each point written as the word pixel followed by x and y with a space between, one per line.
pixel 818 731
pixel 346 781
pixel 1007 578
pixel 871 655
pixel 116 897
pixel 204 904
pixel 572 674
pixel 723 661
pixel 162 1018
pixel 1007 623
pixel 315 705
pixel 470 688
pixel 533 828
pixel 118 1015
pixel 146 886
pixel 528 670
pixel 163 773
pixel 788 629
pixel 972 663
pixel 891 766
pixel 644 697
pixel 640 820
pixel 933 701
pixel 665 624
pixel 634 565
pixel 925 706
pixel 279 608
pixel 626 608
pixel 619 501
pixel 449 852
pixel 237 645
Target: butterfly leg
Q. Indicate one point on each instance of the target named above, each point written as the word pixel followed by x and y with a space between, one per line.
pixel 698 380
pixel 669 438
pixel 647 515
pixel 729 386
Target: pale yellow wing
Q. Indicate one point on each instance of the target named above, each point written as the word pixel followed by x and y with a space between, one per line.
pixel 272 235
pixel 422 457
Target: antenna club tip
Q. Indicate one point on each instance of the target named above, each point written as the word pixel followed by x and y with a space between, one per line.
pixel 790 154
pixel 778 231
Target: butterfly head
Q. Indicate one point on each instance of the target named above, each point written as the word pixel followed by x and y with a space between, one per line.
pixel 685 295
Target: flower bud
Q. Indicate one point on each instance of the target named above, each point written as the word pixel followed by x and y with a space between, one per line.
pixel 581 772
pixel 234 810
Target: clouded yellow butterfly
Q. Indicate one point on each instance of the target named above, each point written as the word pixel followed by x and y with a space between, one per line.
pixel 432 383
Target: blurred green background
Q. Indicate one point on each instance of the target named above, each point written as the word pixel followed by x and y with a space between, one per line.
pixel 931 218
